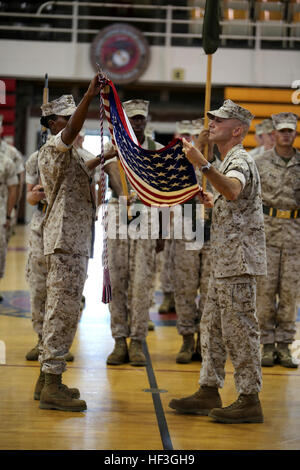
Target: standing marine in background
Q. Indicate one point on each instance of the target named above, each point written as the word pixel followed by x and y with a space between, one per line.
pixel 16 157
pixel 8 197
pixel 266 138
pixel 131 262
pixel 277 293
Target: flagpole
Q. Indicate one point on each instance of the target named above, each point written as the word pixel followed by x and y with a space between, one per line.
pixel 207 106
pixel 210 43
pixel 207 89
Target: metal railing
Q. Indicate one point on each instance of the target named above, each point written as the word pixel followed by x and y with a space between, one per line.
pixel 165 28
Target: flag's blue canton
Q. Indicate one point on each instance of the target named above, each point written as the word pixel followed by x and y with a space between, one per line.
pixel 165 171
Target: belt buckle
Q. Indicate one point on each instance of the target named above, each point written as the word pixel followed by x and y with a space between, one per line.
pixel 283 214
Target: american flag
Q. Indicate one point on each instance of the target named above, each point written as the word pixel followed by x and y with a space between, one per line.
pixel 160 178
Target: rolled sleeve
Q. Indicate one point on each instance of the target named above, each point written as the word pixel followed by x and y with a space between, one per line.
pixel 59 144
pixel 30 179
pixel 238 175
pixel 12 181
pixel 238 167
pixel 11 175
pixel 114 159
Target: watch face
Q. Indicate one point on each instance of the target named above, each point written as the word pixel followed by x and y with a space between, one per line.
pixel 121 51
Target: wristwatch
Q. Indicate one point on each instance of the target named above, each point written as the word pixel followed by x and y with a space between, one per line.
pixel 206 167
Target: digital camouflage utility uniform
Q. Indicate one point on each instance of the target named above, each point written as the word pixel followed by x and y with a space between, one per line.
pixel 67 232
pixel 280 182
pixel 36 269
pixel 16 157
pixel 8 177
pixel 229 322
pixel 132 269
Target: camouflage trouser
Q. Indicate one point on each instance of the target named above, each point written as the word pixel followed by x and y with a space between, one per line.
pixel 229 323
pixel 3 249
pixel 166 267
pixel 65 283
pixel 205 265
pixel 141 278
pixel 36 276
pixel 118 263
pixel 131 269
pixel 278 320
pixel 185 278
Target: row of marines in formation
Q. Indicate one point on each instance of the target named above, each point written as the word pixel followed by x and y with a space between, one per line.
pixel 247 270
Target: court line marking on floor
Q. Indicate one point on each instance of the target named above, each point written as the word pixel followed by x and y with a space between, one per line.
pixel 159 411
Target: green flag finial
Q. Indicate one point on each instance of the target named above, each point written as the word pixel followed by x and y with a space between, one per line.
pixel 211 26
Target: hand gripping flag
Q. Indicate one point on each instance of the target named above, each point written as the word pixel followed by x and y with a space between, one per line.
pixel 160 178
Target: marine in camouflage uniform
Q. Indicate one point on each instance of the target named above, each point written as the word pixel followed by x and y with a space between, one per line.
pixel 265 130
pixel 184 128
pixel 16 157
pixel 187 129
pixel 279 171
pixel 131 263
pixel 67 233
pixel 8 195
pixel 36 269
pixel 190 267
pixel 185 266
pixel 229 322
pixel 259 149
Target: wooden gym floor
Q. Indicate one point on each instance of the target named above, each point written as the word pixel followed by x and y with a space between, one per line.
pixel 127 406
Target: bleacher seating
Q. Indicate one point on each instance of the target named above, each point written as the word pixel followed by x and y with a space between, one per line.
pixel 270 16
pixel 236 18
pixel 294 19
pixel 197 15
pixel 243 21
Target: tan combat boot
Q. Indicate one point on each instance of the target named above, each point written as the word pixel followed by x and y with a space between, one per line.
pixel 246 409
pixel 200 403
pixel 168 303
pixel 151 325
pixel 284 356
pixel 136 355
pixel 187 350
pixel 119 354
pixel 33 354
pixel 73 392
pixel 268 355
pixel 56 396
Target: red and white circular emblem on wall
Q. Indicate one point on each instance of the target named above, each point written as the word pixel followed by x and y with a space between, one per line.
pixel 121 51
